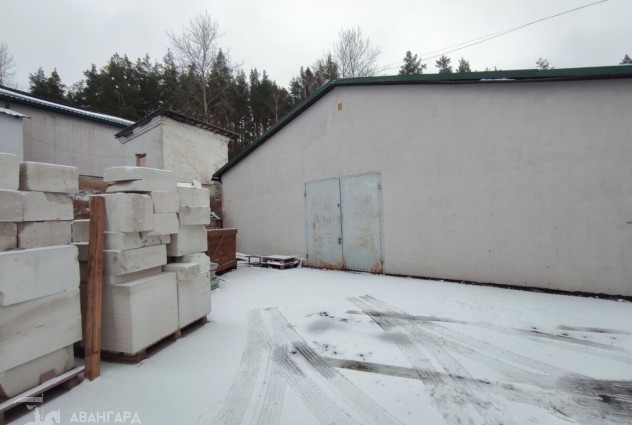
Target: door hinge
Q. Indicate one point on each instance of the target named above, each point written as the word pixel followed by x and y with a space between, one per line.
pixel 379 186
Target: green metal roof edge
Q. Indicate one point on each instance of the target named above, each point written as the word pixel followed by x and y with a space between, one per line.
pixel 563 74
pixel 61 109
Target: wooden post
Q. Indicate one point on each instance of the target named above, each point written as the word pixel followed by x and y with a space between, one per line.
pixel 92 331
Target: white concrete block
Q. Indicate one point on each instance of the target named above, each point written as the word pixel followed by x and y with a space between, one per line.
pixel 123 278
pixel 31 329
pixel 188 240
pixel 9 171
pixel 165 202
pixel 43 177
pixel 164 224
pixel 139 179
pixel 138 313
pixel 200 258
pixel 128 212
pixel 183 271
pixel 81 230
pixel 28 375
pixel 194 215
pixel 38 272
pixel 193 196
pixel 8 236
pixel 44 206
pixel 11 206
pixel 133 260
pixel 122 240
pixel 155 240
pixel 36 234
pixel 194 299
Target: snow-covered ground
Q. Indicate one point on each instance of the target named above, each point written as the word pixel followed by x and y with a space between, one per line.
pixel 306 346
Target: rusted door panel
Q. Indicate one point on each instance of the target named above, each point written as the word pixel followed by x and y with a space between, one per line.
pixel 361 200
pixel 323 224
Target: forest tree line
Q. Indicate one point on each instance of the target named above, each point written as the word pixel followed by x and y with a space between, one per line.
pixel 197 78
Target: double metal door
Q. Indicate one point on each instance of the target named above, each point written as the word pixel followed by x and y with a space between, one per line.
pixel 344 223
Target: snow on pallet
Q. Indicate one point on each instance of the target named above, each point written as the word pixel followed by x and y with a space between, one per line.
pixel 68 380
pixel 281 262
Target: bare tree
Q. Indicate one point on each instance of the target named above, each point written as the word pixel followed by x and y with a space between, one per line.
pixel 6 65
pixel 195 50
pixel 354 54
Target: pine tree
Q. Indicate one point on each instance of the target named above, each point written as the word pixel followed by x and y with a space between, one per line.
pixel 219 91
pixel 626 60
pixel 443 64
pixel 170 90
pixel 241 117
pixel 326 69
pixel 50 88
pixel 147 83
pixel 464 66
pixel 37 82
pixel 543 64
pixel 412 65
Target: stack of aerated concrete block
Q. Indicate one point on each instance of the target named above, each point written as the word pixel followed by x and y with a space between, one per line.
pixel 187 247
pixel 144 224
pixel 40 317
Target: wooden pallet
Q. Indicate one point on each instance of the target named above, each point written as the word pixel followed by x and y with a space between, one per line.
pixel 66 380
pixel 155 347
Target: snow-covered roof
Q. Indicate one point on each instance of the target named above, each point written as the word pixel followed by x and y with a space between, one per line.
pixel 13 113
pixel 17 96
pixel 129 131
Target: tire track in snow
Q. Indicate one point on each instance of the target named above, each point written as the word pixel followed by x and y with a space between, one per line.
pixel 314 398
pixel 308 360
pixel 570 394
pixel 448 393
pixel 238 397
pixel 270 405
pixel 578 344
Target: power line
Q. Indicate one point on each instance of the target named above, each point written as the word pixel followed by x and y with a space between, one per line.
pixel 479 40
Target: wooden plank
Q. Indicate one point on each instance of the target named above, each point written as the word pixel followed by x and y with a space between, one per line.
pixel 92 332
pixel 43 387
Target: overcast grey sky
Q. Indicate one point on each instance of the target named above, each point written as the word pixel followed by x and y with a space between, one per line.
pixel 282 35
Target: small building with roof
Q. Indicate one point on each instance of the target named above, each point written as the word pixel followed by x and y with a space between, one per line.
pixel 62 134
pixel 507 177
pixel 169 140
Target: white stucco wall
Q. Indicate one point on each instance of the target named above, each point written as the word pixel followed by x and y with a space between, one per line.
pixel 192 153
pixel 62 139
pixel 510 183
pixel 11 139
pixel 147 140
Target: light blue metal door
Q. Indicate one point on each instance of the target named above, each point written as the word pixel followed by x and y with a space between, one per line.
pixel 323 224
pixel 361 207
pixel 344 223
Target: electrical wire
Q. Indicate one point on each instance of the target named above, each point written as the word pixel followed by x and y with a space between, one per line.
pixel 460 46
